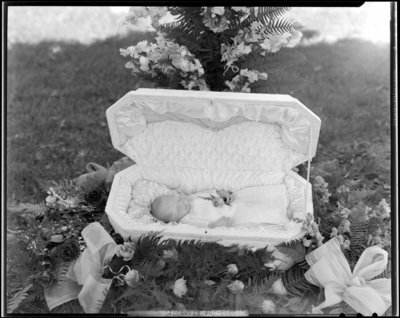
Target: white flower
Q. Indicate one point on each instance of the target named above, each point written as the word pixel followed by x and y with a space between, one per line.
pixel 136 13
pixel 132 277
pixel 345 226
pixel 127 250
pixel 263 76
pixel 51 200
pixel 275 42
pixel 306 242
pixel 270 265
pixel 241 9
pixel 340 239
pixel 318 236
pixel 251 75
pixel 131 18
pixel 127 51
pixel 236 287
pixel 345 213
pixel 156 13
pixel 346 245
pixel 334 232
pixel 180 287
pixel 342 189
pixel 212 21
pixel 218 10
pixel 295 38
pixel 268 307
pixel 173 253
pixel 232 269
pixel 245 88
pixel 384 209
pixel 144 63
pixel 278 288
pixel 139 48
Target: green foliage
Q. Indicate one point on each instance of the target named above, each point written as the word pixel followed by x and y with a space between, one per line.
pixel 61 271
pixel 189 30
pixel 294 250
pixel 296 284
pixel 16 300
pixel 36 209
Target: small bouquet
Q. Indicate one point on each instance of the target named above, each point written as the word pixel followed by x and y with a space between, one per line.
pixel 237 49
pixel 225 197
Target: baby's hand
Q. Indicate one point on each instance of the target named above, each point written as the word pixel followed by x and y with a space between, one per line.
pixel 224 221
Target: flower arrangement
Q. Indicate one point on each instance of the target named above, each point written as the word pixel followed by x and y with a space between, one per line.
pixel 148 273
pixel 237 49
pixel 51 232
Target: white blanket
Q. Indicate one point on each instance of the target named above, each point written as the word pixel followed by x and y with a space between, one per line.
pixel 254 206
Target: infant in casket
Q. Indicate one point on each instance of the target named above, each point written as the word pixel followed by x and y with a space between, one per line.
pixel 252 207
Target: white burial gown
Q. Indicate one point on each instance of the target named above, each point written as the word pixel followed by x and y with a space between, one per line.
pixel 252 207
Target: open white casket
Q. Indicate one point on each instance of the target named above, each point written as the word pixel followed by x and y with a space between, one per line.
pixel 191 141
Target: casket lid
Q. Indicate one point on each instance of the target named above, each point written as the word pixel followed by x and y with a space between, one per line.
pixel 130 116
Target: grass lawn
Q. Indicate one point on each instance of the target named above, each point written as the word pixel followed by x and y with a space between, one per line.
pixel 58 92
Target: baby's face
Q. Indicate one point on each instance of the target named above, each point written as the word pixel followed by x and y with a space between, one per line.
pixel 171 208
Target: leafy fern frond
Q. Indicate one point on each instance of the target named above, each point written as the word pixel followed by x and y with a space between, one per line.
pixel 265 15
pixel 34 209
pixel 14 302
pixel 295 282
pixel 62 270
pixel 295 250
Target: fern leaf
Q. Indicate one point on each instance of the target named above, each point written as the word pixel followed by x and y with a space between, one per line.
pixel 295 250
pixel 62 270
pixel 264 15
pixel 327 223
pixel 23 208
pixel 358 214
pixel 14 302
pixel 281 26
pixel 272 12
pixel 296 283
pixel 150 267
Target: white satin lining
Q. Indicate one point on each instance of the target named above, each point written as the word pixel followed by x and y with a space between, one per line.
pixel 218 115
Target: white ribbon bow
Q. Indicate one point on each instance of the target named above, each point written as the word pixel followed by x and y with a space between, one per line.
pixel 84 279
pixel 330 270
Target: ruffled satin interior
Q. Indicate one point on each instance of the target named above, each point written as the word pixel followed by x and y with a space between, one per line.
pixel 245 146
pixel 194 144
pixel 137 189
pixel 131 119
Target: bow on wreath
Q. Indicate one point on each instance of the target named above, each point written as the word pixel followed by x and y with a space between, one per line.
pixel 330 270
pixel 84 279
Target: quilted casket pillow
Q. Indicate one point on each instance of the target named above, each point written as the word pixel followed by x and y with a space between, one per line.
pixel 143 194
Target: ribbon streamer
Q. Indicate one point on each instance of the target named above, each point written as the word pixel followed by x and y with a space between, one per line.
pixel 330 270
pixel 234 68
pixel 84 279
